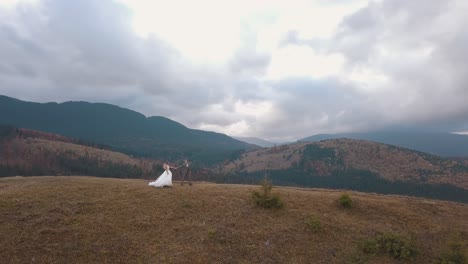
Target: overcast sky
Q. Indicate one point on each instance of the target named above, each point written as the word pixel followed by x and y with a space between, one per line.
pixel 279 70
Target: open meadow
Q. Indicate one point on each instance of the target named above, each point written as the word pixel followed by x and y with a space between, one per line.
pixel 98 220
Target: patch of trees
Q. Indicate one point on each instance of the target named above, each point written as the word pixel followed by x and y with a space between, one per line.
pixel 6 132
pixel 313 152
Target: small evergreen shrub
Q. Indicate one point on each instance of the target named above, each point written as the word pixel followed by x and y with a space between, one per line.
pixel 396 246
pixel 313 223
pixel 370 247
pixel 455 255
pixel 345 201
pixel 391 244
pixel 211 233
pixel 265 199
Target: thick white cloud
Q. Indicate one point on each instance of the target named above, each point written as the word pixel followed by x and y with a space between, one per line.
pixel 416 54
pixel 271 69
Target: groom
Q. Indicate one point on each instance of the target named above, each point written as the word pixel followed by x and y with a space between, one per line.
pixel 187 173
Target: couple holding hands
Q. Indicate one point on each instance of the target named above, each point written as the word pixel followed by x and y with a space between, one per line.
pixel 166 177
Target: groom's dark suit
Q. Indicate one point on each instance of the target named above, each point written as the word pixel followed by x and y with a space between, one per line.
pixel 187 173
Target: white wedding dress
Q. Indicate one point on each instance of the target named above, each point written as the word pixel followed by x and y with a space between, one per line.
pixel 164 180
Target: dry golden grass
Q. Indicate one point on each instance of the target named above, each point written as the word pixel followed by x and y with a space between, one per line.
pixel 96 220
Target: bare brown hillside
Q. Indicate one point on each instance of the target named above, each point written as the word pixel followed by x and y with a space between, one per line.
pixel 389 162
pixel 97 220
pixel 29 152
pixel 396 163
pixel 274 158
pixel 23 150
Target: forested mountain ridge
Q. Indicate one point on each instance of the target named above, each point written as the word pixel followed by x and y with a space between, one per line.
pixel 122 129
pixel 353 164
pixel 338 164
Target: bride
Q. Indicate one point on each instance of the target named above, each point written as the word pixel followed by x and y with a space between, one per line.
pixel 165 179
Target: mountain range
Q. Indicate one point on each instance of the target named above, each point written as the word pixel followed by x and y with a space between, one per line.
pixel 104 140
pixel 338 164
pixel 158 137
pixel 441 144
pixel 121 129
pixel 352 164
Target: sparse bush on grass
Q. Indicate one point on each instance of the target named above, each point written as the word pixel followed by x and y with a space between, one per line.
pixel 211 233
pixel 185 204
pixel 370 247
pixel 345 201
pixel 265 199
pixel 456 254
pixel 313 223
pixel 391 244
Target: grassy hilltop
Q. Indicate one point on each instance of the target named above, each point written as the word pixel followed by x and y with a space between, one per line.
pixel 100 220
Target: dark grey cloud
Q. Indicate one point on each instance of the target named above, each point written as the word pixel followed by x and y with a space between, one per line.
pixel 87 50
pixel 70 50
pixel 420 47
pixel 307 106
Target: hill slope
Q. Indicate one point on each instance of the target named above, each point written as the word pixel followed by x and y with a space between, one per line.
pixel 95 220
pixel 30 152
pixel 441 144
pixel 353 164
pixel 122 129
